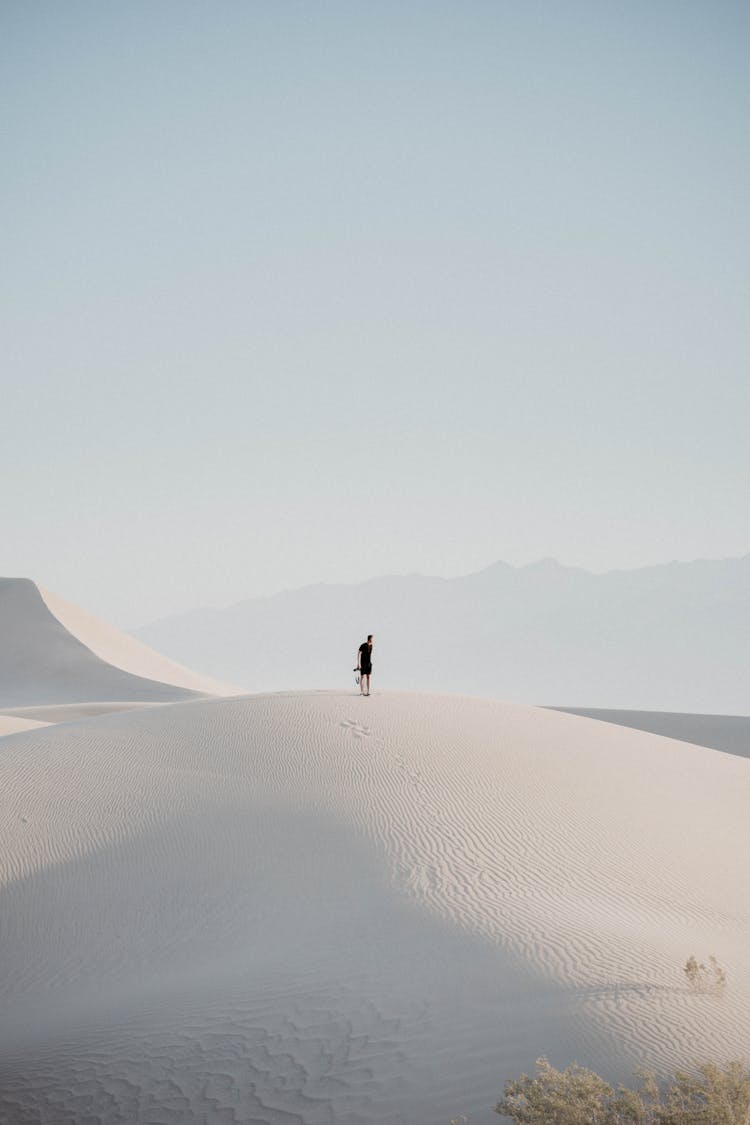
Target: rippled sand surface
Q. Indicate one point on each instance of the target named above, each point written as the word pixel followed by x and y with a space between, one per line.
pixel 319 908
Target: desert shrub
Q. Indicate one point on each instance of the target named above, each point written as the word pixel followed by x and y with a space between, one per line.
pixel 712 1096
pixel 575 1096
pixel 636 1107
pixel 702 977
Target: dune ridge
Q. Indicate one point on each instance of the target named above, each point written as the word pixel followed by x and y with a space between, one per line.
pixel 125 652
pixel 325 908
pixel 54 653
pixel 12 724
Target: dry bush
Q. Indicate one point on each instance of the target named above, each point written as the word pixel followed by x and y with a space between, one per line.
pixel 574 1096
pixel 713 1095
pixel 702 977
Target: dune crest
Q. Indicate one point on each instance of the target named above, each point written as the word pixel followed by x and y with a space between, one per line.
pixel 13 724
pixel 55 653
pixel 125 652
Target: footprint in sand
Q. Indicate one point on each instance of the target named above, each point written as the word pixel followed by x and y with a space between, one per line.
pixel 359 730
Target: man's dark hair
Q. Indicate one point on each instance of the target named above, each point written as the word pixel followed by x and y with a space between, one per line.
pixel 369 636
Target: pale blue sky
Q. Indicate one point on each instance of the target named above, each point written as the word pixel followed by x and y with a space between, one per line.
pixel 296 292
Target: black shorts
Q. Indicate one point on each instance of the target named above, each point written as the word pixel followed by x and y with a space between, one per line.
pixel 366 669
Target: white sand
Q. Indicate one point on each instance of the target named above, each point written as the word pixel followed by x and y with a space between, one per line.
pixel 319 908
pixel 53 653
pixel 125 652
pixel 12 724
pixel 69 712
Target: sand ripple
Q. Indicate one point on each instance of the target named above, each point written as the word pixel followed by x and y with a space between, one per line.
pixel 484 881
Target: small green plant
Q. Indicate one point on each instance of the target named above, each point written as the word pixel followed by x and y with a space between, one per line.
pixel 702 977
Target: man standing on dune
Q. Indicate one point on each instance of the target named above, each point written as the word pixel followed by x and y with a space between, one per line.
pixel 364 664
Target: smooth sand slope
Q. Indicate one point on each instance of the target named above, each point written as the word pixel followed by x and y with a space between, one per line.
pixel 54 653
pixel 12 724
pixel 318 908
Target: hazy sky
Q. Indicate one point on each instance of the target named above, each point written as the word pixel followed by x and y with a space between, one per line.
pixel 317 291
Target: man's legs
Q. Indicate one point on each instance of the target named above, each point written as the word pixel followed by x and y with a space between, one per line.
pixel 368 683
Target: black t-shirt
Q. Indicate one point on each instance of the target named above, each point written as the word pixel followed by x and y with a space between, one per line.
pixel 365 655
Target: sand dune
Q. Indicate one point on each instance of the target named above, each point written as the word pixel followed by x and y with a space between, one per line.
pixel 52 653
pixel 69 712
pixel 730 733
pixel 125 652
pixel 318 908
pixel 12 724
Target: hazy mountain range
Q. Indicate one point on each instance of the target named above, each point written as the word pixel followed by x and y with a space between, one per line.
pixel 671 637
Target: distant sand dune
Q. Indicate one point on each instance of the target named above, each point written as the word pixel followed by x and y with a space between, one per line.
pixel 318 908
pixel 12 724
pixel 70 712
pixel 730 733
pixel 52 652
pixel 125 652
